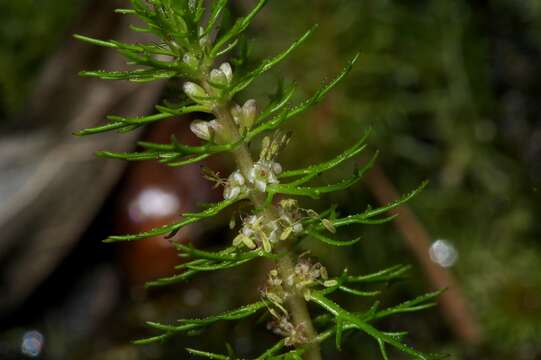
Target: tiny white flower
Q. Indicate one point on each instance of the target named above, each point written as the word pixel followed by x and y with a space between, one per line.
pixel 235 191
pixel 247 231
pixel 252 174
pixel 261 185
pixel 297 228
pixel 231 192
pixel 238 178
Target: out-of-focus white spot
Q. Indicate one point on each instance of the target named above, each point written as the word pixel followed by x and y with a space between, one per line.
pixel 192 297
pixel 443 253
pixel 32 343
pixel 153 203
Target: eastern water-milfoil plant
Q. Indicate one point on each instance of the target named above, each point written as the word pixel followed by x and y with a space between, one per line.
pixel 192 45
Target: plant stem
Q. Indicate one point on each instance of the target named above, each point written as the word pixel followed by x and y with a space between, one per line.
pixel 295 301
pixel 299 309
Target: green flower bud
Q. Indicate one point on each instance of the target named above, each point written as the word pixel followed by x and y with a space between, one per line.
pixel 218 78
pixel 228 71
pixel 191 61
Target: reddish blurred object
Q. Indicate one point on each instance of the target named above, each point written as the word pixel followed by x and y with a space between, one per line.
pixel 153 195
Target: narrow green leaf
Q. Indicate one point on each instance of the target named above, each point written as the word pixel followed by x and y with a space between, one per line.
pixel 269 354
pixel 287 114
pixel 392 273
pixel 152 340
pixel 93 41
pixel 363 217
pixel 322 167
pixel 358 292
pixel 339 331
pixel 188 324
pixel 218 7
pixel 346 316
pixel 125 11
pixel 316 98
pixel 240 25
pixel 207 355
pixel 419 303
pixel 266 65
pixel 329 241
pixel 315 191
pixel 167 229
pixel 382 349
pixel 118 122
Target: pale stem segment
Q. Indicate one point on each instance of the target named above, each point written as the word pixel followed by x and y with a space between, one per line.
pixel 296 303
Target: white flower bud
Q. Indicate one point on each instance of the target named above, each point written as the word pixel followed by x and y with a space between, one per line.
pixel 228 71
pixel 201 129
pixel 217 77
pixel 277 168
pixel 238 178
pixel 203 39
pixel 247 231
pixel 285 234
pixel 231 192
pixel 252 174
pixel 249 112
pixel 194 91
pixel 236 113
pixel 215 126
pixel 261 185
pixel 330 283
pixel 266 245
pixel 248 242
pixel 297 228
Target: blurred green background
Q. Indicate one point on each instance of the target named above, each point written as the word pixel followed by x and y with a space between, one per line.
pixel 451 90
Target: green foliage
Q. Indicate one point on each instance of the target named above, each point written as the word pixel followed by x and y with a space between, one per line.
pixel 188 48
pixel 29 31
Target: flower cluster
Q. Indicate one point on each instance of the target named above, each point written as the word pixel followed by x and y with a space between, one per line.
pixel 244 116
pixel 219 80
pixel 306 275
pixel 256 231
pixel 283 326
pixel 235 186
pixel 263 173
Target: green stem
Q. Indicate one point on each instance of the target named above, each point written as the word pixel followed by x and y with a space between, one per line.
pixel 296 303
